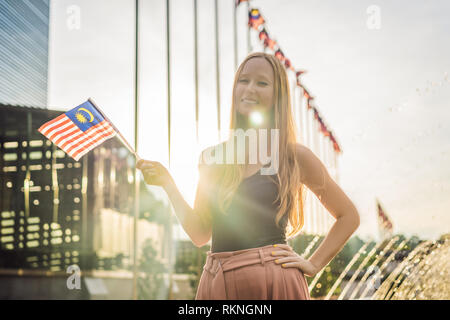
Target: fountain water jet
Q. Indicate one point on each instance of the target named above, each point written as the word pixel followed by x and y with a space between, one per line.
pixel 358 270
pixel 430 277
pixel 346 269
pixel 383 266
pixel 371 267
pixel 388 287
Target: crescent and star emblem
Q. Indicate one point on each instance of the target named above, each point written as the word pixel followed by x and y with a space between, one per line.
pixel 88 112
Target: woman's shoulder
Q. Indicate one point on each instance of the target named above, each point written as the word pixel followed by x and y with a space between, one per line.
pixel 304 154
pixel 312 170
pixel 301 151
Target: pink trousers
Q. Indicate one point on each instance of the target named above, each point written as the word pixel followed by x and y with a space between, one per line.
pixel 250 274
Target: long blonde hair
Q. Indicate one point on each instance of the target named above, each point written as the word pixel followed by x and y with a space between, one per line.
pixel 291 192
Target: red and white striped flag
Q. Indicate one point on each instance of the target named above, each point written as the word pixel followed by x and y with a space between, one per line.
pixel 79 130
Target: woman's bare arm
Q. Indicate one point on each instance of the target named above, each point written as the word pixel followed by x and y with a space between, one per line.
pixel 316 177
pixel 195 221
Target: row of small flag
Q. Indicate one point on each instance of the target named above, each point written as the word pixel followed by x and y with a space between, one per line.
pixel 84 127
pixel 257 22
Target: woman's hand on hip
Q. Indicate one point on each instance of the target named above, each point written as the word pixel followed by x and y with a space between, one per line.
pixel 290 259
pixel 154 172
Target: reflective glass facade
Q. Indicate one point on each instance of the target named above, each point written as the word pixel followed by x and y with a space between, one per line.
pixel 24 32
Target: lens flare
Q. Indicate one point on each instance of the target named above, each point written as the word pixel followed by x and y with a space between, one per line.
pixel 256 118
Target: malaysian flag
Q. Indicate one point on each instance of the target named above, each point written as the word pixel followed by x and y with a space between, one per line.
pixel 79 130
pixel 255 19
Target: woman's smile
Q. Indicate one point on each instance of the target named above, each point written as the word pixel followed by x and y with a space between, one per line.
pixel 254 87
pixel 249 101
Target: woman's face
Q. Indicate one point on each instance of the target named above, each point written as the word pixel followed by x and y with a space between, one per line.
pixel 255 87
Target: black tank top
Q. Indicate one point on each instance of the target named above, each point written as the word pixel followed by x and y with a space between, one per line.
pixel 249 222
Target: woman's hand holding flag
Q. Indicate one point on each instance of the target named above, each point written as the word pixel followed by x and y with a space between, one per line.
pixel 154 172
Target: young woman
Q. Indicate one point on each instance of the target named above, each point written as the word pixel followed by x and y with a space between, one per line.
pixel 250 215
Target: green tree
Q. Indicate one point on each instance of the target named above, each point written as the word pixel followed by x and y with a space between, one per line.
pixel 151 284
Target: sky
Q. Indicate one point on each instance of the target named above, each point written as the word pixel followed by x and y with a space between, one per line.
pixel 378 71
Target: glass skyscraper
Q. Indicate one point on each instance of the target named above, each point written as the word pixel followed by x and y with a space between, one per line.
pixel 24 33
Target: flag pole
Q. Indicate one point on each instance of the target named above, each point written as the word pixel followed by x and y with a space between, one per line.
pixel 136 176
pixel 303 118
pixel 127 145
pixel 170 236
pixel 249 45
pixel 216 18
pixel 235 37
pixel 327 158
pixel 309 131
pixel 316 151
pixel 198 252
pixel 196 68
pixel 322 208
pixel 335 158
